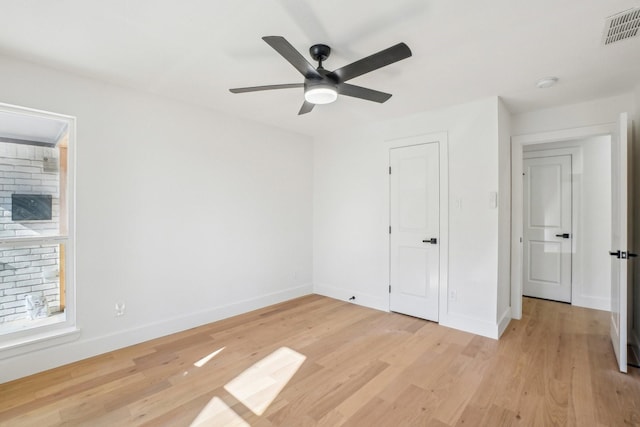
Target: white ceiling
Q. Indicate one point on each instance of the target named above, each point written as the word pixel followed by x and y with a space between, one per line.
pixel 195 50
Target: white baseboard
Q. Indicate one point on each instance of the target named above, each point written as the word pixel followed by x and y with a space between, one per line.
pixel 471 325
pixel 364 299
pixel 503 322
pixel 455 321
pixel 596 303
pixel 37 361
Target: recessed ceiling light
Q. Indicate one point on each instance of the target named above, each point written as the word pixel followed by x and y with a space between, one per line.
pixel 546 82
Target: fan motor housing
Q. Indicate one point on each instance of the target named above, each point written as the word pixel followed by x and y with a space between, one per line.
pixel 320 52
pixel 311 83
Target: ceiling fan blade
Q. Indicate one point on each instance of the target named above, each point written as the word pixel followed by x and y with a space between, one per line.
pixel 295 58
pixel 306 108
pixel 268 87
pixel 363 93
pixel 372 62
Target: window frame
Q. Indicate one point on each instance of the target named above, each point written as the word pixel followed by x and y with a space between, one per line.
pixel 30 339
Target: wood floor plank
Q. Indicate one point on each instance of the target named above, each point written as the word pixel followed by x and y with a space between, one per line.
pixel 353 403
pixel 458 390
pixel 373 412
pixel 324 405
pixel 582 403
pixel 315 361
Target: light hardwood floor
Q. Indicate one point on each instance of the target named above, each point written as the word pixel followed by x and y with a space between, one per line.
pixel 318 361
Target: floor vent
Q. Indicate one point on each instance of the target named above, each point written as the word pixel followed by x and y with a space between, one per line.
pixel 621 26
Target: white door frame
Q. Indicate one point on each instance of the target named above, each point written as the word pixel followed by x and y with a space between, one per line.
pixel 517 143
pixel 442 139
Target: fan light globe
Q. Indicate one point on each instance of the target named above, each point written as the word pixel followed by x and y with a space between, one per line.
pixel 321 95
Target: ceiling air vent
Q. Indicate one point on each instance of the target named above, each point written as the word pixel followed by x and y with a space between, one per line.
pixel 621 26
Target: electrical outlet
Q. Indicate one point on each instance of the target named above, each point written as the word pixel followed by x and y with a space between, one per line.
pixel 50 274
pixel 453 295
pixel 120 308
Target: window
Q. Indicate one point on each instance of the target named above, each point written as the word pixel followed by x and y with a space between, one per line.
pixel 36 225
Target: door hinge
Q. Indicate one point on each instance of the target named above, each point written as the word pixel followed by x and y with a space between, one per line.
pixel 389 288
pixel 389 170
pixel 389 229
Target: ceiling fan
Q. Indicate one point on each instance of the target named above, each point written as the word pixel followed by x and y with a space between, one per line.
pixel 322 86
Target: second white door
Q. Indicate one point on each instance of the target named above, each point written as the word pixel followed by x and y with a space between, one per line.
pixel 414 240
pixel 547 228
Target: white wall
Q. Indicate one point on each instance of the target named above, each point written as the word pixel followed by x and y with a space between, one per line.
pixel 591 172
pixel 351 211
pixel 185 214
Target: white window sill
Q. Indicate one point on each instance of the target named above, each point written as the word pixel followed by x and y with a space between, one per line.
pixel 37 341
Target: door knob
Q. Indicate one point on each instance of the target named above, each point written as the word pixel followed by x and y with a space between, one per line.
pixel 615 254
pixel 432 240
pixel 564 235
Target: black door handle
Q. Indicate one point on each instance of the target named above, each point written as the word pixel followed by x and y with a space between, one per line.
pixel 622 254
pixel 564 235
pixel 432 240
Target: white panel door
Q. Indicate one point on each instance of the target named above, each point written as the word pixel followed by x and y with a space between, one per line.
pixel 547 228
pixel 414 239
pixel 620 238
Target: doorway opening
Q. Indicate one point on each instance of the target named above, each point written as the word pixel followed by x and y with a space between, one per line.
pixel 621 242
pixel 582 257
pixel 566 221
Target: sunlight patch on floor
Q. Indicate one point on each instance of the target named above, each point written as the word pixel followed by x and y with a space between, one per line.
pixel 260 384
pixel 256 388
pixel 200 363
pixel 217 413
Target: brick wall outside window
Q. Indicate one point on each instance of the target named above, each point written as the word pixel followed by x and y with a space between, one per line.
pixel 27 169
